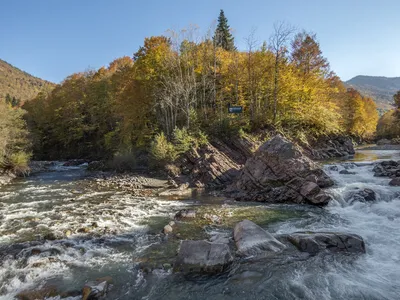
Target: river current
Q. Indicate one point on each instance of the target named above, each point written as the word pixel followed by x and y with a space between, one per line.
pixel 58 230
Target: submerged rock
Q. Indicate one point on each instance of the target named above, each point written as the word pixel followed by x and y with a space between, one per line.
pixel 176 192
pixel 395 181
pixel 46 292
pixel 185 214
pixel 251 239
pixel 280 172
pixel 347 172
pixel 202 256
pixel 333 242
pixel 74 162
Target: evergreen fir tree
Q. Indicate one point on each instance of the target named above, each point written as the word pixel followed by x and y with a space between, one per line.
pixel 8 99
pixel 223 37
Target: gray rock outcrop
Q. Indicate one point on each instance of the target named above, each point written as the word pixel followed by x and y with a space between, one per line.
pixel 324 148
pixel 280 172
pixel 215 164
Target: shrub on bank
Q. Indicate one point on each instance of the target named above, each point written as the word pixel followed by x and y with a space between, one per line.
pixel 17 163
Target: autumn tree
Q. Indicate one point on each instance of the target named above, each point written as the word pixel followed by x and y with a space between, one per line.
pixel 307 55
pixel 361 115
pixel 278 45
pixel 223 37
pixel 176 89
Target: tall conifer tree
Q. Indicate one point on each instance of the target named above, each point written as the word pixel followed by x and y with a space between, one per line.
pixel 223 37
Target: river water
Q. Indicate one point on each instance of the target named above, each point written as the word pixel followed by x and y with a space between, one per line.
pixel 58 230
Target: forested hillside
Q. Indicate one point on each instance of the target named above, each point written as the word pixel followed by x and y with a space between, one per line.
pixel 175 91
pixel 18 86
pixel 381 89
pixel 389 123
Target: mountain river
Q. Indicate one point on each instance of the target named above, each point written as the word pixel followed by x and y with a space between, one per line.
pixel 59 230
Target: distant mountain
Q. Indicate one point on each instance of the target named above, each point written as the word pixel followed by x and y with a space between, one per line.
pixel 20 84
pixel 381 89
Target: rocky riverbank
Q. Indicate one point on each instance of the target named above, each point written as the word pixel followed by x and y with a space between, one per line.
pixel 215 166
pixel 239 165
pixel 6 177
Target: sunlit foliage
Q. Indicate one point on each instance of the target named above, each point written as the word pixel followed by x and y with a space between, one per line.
pixel 181 85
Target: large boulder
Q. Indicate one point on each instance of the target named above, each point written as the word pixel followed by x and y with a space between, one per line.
pixel 202 256
pixel 280 172
pixel 389 168
pixel 395 181
pixel 313 243
pixel 251 239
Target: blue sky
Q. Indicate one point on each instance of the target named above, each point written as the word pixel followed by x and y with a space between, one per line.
pixel 52 39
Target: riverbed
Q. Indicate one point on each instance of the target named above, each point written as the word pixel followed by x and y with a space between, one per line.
pixel 58 230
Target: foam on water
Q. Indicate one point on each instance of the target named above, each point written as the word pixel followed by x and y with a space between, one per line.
pixel 375 275
pixel 59 203
pixel 122 227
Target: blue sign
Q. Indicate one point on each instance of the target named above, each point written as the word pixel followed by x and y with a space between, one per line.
pixel 235 109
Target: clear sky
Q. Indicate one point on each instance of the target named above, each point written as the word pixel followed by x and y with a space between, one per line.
pixel 52 39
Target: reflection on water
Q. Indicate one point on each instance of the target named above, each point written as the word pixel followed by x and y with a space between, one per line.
pixel 374 155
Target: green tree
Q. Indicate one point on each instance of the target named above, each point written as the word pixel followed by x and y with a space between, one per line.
pixel 13 140
pixel 396 99
pixel 223 37
pixel 15 102
pixel 8 99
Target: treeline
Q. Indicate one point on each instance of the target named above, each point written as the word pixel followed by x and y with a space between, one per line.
pixel 14 145
pixel 176 90
pixel 389 124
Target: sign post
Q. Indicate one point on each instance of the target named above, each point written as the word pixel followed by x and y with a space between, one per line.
pixel 235 109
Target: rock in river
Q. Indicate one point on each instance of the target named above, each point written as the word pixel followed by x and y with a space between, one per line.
pixel 251 239
pixel 365 195
pixel 46 292
pixel 185 214
pixel 388 168
pixel 202 256
pixel 96 289
pixel 395 181
pixel 334 242
pixel 347 172
pixel 280 172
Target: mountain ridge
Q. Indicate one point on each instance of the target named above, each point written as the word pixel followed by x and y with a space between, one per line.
pixel 380 88
pixel 20 84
